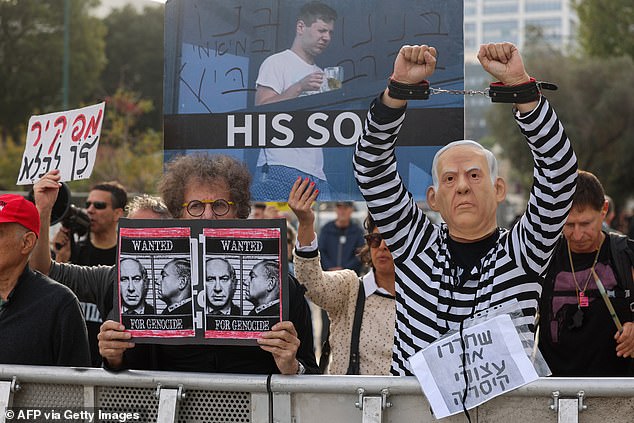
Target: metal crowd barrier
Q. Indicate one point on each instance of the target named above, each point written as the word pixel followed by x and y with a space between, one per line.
pixel 203 397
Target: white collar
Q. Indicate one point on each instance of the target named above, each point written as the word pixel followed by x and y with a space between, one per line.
pixel 370 286
pixel 267 305
pixel 140 309
pixel 178 304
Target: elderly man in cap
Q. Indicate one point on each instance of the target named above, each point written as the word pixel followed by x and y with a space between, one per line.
pixel 40 320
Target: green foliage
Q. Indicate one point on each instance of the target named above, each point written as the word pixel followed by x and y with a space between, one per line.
pixel 606 27
pixel 130 155
pixel 134 48
pixel 594 104
pixel 10 161
pixel 31 53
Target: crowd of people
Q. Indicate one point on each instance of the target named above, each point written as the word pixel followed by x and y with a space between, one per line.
pixel 389 289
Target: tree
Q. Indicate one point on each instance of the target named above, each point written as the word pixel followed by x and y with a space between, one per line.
pixel 31 53
pixel 606 27
pixel 594 103
pixel 10 161
pixel 134 48
pixel 126 153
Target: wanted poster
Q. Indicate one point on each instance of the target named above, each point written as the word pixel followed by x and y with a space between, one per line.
pixel 243 281
pixel 155 283
pixel 201 281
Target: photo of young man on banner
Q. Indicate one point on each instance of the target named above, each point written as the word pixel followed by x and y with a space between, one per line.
pixel 251 80
pixel 201 281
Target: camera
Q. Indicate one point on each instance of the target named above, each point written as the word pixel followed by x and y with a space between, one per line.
pixel 76 220
pixel 73 218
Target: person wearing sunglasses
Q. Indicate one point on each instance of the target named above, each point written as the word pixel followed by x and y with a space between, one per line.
pixel 193 187
pixel 361 310
pixel 105 205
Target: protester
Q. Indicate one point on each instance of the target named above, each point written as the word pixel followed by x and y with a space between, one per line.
pixel 89 285
pixel 344 295
pixel 220 286
pixel 40 320
pixel 146 206
pixel 445 273
pixel 208 187
pixel 578 337
pixel 258 210
pixel 340 240
pixel 105 205
pixel 134 283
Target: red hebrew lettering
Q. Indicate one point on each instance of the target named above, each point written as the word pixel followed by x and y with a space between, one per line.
pixel 93 125
pixel 78 131
pixel 60 121
pixel 37 126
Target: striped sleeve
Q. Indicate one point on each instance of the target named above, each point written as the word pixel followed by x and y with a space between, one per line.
pixel 554 181
pixel 403 225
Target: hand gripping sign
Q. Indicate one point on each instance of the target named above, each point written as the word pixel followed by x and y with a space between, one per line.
pixel 66 141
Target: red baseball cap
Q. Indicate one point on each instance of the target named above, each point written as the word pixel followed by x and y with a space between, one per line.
pixel 17 209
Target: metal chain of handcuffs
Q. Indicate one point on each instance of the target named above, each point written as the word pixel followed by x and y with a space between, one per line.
pixel 498 92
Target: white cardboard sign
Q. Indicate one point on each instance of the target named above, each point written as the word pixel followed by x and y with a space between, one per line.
pixel 67 141
pixel 495 363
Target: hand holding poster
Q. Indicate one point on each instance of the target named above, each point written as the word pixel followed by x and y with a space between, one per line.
pixel 67 141
pixel 494 363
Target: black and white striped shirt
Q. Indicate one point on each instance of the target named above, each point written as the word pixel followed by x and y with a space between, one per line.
pixel 429 299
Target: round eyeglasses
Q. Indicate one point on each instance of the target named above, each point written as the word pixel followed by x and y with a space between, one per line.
pixel 219 207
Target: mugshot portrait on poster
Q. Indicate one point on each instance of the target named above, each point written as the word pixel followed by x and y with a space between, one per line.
pixel 155 283
pixel 243 264
pixel 201 281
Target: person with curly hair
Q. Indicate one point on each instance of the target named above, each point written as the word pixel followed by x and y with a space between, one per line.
pixel 193 187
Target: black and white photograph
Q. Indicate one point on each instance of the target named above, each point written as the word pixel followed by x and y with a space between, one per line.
pixel 242 275
pixel 155 282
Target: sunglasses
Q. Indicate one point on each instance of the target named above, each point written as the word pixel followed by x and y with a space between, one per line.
pixel 99 205
pixel 219 207
pixel 373 240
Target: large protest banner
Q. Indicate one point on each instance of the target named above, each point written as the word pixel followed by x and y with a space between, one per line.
pixel 213 53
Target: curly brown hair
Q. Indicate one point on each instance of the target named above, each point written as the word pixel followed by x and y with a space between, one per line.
pixel 205 169
pixel 364 252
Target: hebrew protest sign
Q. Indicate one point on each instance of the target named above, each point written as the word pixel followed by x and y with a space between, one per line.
pixel 494 363
pixel 67 141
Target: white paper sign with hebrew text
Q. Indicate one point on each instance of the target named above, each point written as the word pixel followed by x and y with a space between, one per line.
pixel 495 363
pixel 67 141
